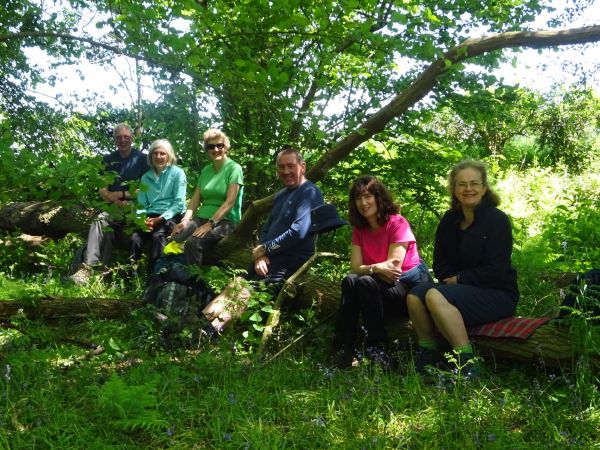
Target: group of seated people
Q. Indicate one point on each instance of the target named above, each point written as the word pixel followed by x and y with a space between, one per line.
pixel 472 253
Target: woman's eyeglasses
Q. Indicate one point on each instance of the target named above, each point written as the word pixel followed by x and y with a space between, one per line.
pixel 220 146
pixel 470 184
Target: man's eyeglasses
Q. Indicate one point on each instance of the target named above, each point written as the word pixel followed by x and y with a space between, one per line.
pixel 470 184
pixel 220 146
pixel 123 137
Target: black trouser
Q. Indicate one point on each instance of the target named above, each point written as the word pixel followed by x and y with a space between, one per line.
pixel 374 299
pixel 159 240
pixel 196 247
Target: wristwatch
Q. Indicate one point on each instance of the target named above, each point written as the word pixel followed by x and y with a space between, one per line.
pixel 371 269
pixel 212 222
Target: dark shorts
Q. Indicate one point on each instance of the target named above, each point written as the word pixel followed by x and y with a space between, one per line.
pixel 476 305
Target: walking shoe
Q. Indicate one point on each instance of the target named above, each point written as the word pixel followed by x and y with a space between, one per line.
pixel 205 333
pixel 83 274
pixel 427 360
pixel 342 356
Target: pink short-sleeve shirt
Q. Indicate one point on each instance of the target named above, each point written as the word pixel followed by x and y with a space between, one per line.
pixel 374 245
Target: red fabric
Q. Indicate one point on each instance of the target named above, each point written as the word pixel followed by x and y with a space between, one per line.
pixel 511 327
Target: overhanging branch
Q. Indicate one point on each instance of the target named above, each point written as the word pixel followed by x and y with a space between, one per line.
pixel 428 79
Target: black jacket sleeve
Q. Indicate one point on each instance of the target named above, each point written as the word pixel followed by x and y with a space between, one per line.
pixel 445 250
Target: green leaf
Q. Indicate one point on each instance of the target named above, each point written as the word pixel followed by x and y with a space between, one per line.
pixel 256 317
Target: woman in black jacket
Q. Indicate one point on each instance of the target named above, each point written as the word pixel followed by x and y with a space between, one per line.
pixel 472 261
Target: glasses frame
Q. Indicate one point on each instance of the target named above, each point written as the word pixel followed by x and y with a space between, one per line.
pixel 469 184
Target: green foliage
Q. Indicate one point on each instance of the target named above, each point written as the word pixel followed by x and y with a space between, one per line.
pixel 268 73
pixel 131 407
pixel 568 129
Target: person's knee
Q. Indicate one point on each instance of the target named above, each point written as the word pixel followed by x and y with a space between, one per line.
pixel 366 283
pixel 435 300
pixel 158 239
pixel 349 280
pixel 137 240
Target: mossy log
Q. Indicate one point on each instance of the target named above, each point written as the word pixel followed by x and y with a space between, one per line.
pixel 72 308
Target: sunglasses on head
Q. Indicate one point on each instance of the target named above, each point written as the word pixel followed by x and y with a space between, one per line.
pixel 220 146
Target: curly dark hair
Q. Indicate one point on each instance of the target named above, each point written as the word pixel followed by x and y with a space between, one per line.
pixel 385 204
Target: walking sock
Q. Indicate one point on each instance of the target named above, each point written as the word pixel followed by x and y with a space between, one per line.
pixel 467 348
pixel 430 344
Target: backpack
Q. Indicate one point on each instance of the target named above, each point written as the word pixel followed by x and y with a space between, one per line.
pixel 583 295
pixel 177 295
pixel 325 218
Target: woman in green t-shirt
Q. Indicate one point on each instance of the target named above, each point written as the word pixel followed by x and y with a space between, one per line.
pixel 216 202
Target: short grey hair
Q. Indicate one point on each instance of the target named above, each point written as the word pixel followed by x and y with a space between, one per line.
pixel 167 147
pixel 291 151
pixel 119 126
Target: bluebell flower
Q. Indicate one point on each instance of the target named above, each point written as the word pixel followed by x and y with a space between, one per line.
pixel 319 421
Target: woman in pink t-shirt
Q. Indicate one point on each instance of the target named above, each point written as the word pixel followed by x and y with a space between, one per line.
pixel 384 266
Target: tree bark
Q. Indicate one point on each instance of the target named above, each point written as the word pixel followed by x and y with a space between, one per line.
pixel 47 218
pixel 72 308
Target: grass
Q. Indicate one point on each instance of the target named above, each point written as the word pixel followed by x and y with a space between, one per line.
pixel 54 396
pixel 56 393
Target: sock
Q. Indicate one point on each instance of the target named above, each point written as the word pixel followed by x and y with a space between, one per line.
pixel 467 348
pixel 429 344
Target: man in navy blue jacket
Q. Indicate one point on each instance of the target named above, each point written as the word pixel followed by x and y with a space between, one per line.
pixel 129 165
pixel 285 240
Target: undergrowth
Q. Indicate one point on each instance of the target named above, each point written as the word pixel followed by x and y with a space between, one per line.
pixel 111 384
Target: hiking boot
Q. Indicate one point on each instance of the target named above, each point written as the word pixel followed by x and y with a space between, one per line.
pixel 83 274
pixel 467 366
pixel 342 356
pixel 205 333
pixel 427 360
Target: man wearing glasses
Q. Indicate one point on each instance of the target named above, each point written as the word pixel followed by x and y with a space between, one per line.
pixel 129 165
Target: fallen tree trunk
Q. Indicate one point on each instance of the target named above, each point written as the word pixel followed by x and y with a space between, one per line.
pixel 552 344
pixel 73 308
pixel 46 218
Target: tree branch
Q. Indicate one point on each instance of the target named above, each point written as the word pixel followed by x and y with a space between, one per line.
pixel 428 79
pixel 90 41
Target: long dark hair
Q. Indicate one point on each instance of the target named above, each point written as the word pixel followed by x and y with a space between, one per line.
pixel 385 204
pixel 490 197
